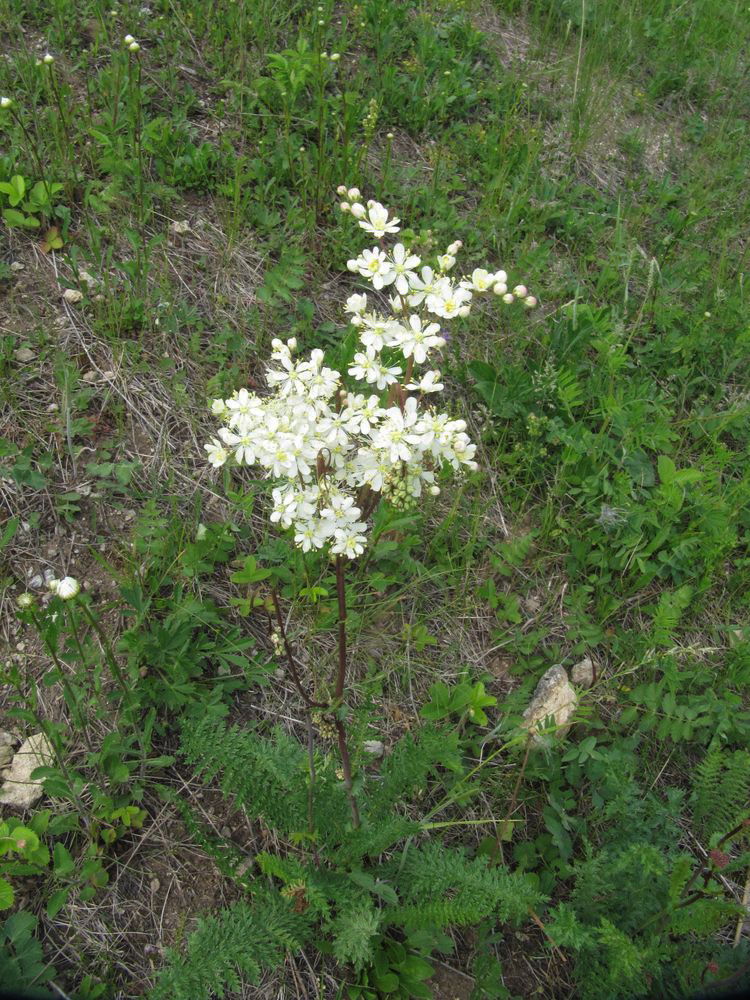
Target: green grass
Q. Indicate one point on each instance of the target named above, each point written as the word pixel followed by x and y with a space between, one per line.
pixel 596 150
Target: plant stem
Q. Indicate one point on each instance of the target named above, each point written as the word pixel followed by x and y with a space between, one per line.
pixel 71 697
pixel 339 693
pixel 306 709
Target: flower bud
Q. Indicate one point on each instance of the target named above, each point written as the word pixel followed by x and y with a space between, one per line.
pixel 358 210
pixel 48 59
pixel 371 203
pixel 435 491
pixel 128 39
pixel 5 102
pixel 335 56
pixel 389 135
pixel 341 190
pixel 134 47
pixel 529 301
pixel 345 207
pixel 508 298
pixel 354 193
pixel 500 288
pixel 24 601
pixel 521 291
pixel 292 343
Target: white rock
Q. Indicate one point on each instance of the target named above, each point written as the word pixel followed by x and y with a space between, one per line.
pixel 18 790
pixel 72 295
pixel 88 278
pixel 582 673
pixel 16 265
pixel 36 581
pixel 179 228
pixel 554 697
pixel 374 747
pixel 6 747
pixel 24 354
pixel 90 376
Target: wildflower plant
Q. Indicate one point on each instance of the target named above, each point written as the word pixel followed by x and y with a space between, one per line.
pixel 337 443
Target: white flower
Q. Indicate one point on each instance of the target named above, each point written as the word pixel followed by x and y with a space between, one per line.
pixel 285 503
pixel 378 223
pixel 446 261
pixel 404 263
pixel 418 340
pixel 481 280
pixel 368 367
pixel 421 288
pixel 217 453
pixel 429 382
pixel 379 332
pixel 356 305
pixel 396 435
pixel 375 266
pixel 448 300
pixel 24 601
pixel 219 408
pixel 349 541
pixel 66 589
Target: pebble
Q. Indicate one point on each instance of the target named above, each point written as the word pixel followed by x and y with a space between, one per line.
pixel 36 581
pixel 24 354
pixel 89 377
pixel 72 295
pixel 49 575
pixel 16 265
pixel 155 885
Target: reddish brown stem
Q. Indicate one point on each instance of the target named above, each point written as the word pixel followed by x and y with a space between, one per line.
pixel 339 693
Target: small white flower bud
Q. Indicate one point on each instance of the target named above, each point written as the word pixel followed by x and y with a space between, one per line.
pixel 24 601
pixel 351 265
pixel 134 47
pixel 435 491
pixel 341 190
pixel 292 343
pixel 353 194
pixel 389 135
pixel 335 56
pixel 508 298
pixel 345 207
pixel 371 203
pixel 529 301
pixel 276 344
pixel 323 55
pixel 358 210
pixel 128 39
pixel 500 288
pixel 521 291
pixel 321 23
pixel 464 311
pixel 48 58
pixel 5 102
pixel 707 315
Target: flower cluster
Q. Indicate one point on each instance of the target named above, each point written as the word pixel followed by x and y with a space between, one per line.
pixel 333 449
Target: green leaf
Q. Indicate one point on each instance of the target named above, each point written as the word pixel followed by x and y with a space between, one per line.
pixel 17 190
pixel 57 900
pixel 6 894
pixel 9 531
pixel 62 861
pixel 667 469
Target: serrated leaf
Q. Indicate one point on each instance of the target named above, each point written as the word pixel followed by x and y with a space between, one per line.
pixel 6 894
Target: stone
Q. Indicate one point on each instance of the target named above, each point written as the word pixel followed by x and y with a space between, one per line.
pixel 554 696
pixel 374 747
pixel 7 741
pixel 24 354
pixel 180 228
pixel 18 789
pixel 90 376
pixel 582 673
pixel 16 266
pixel 36 581
pixel 72 295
